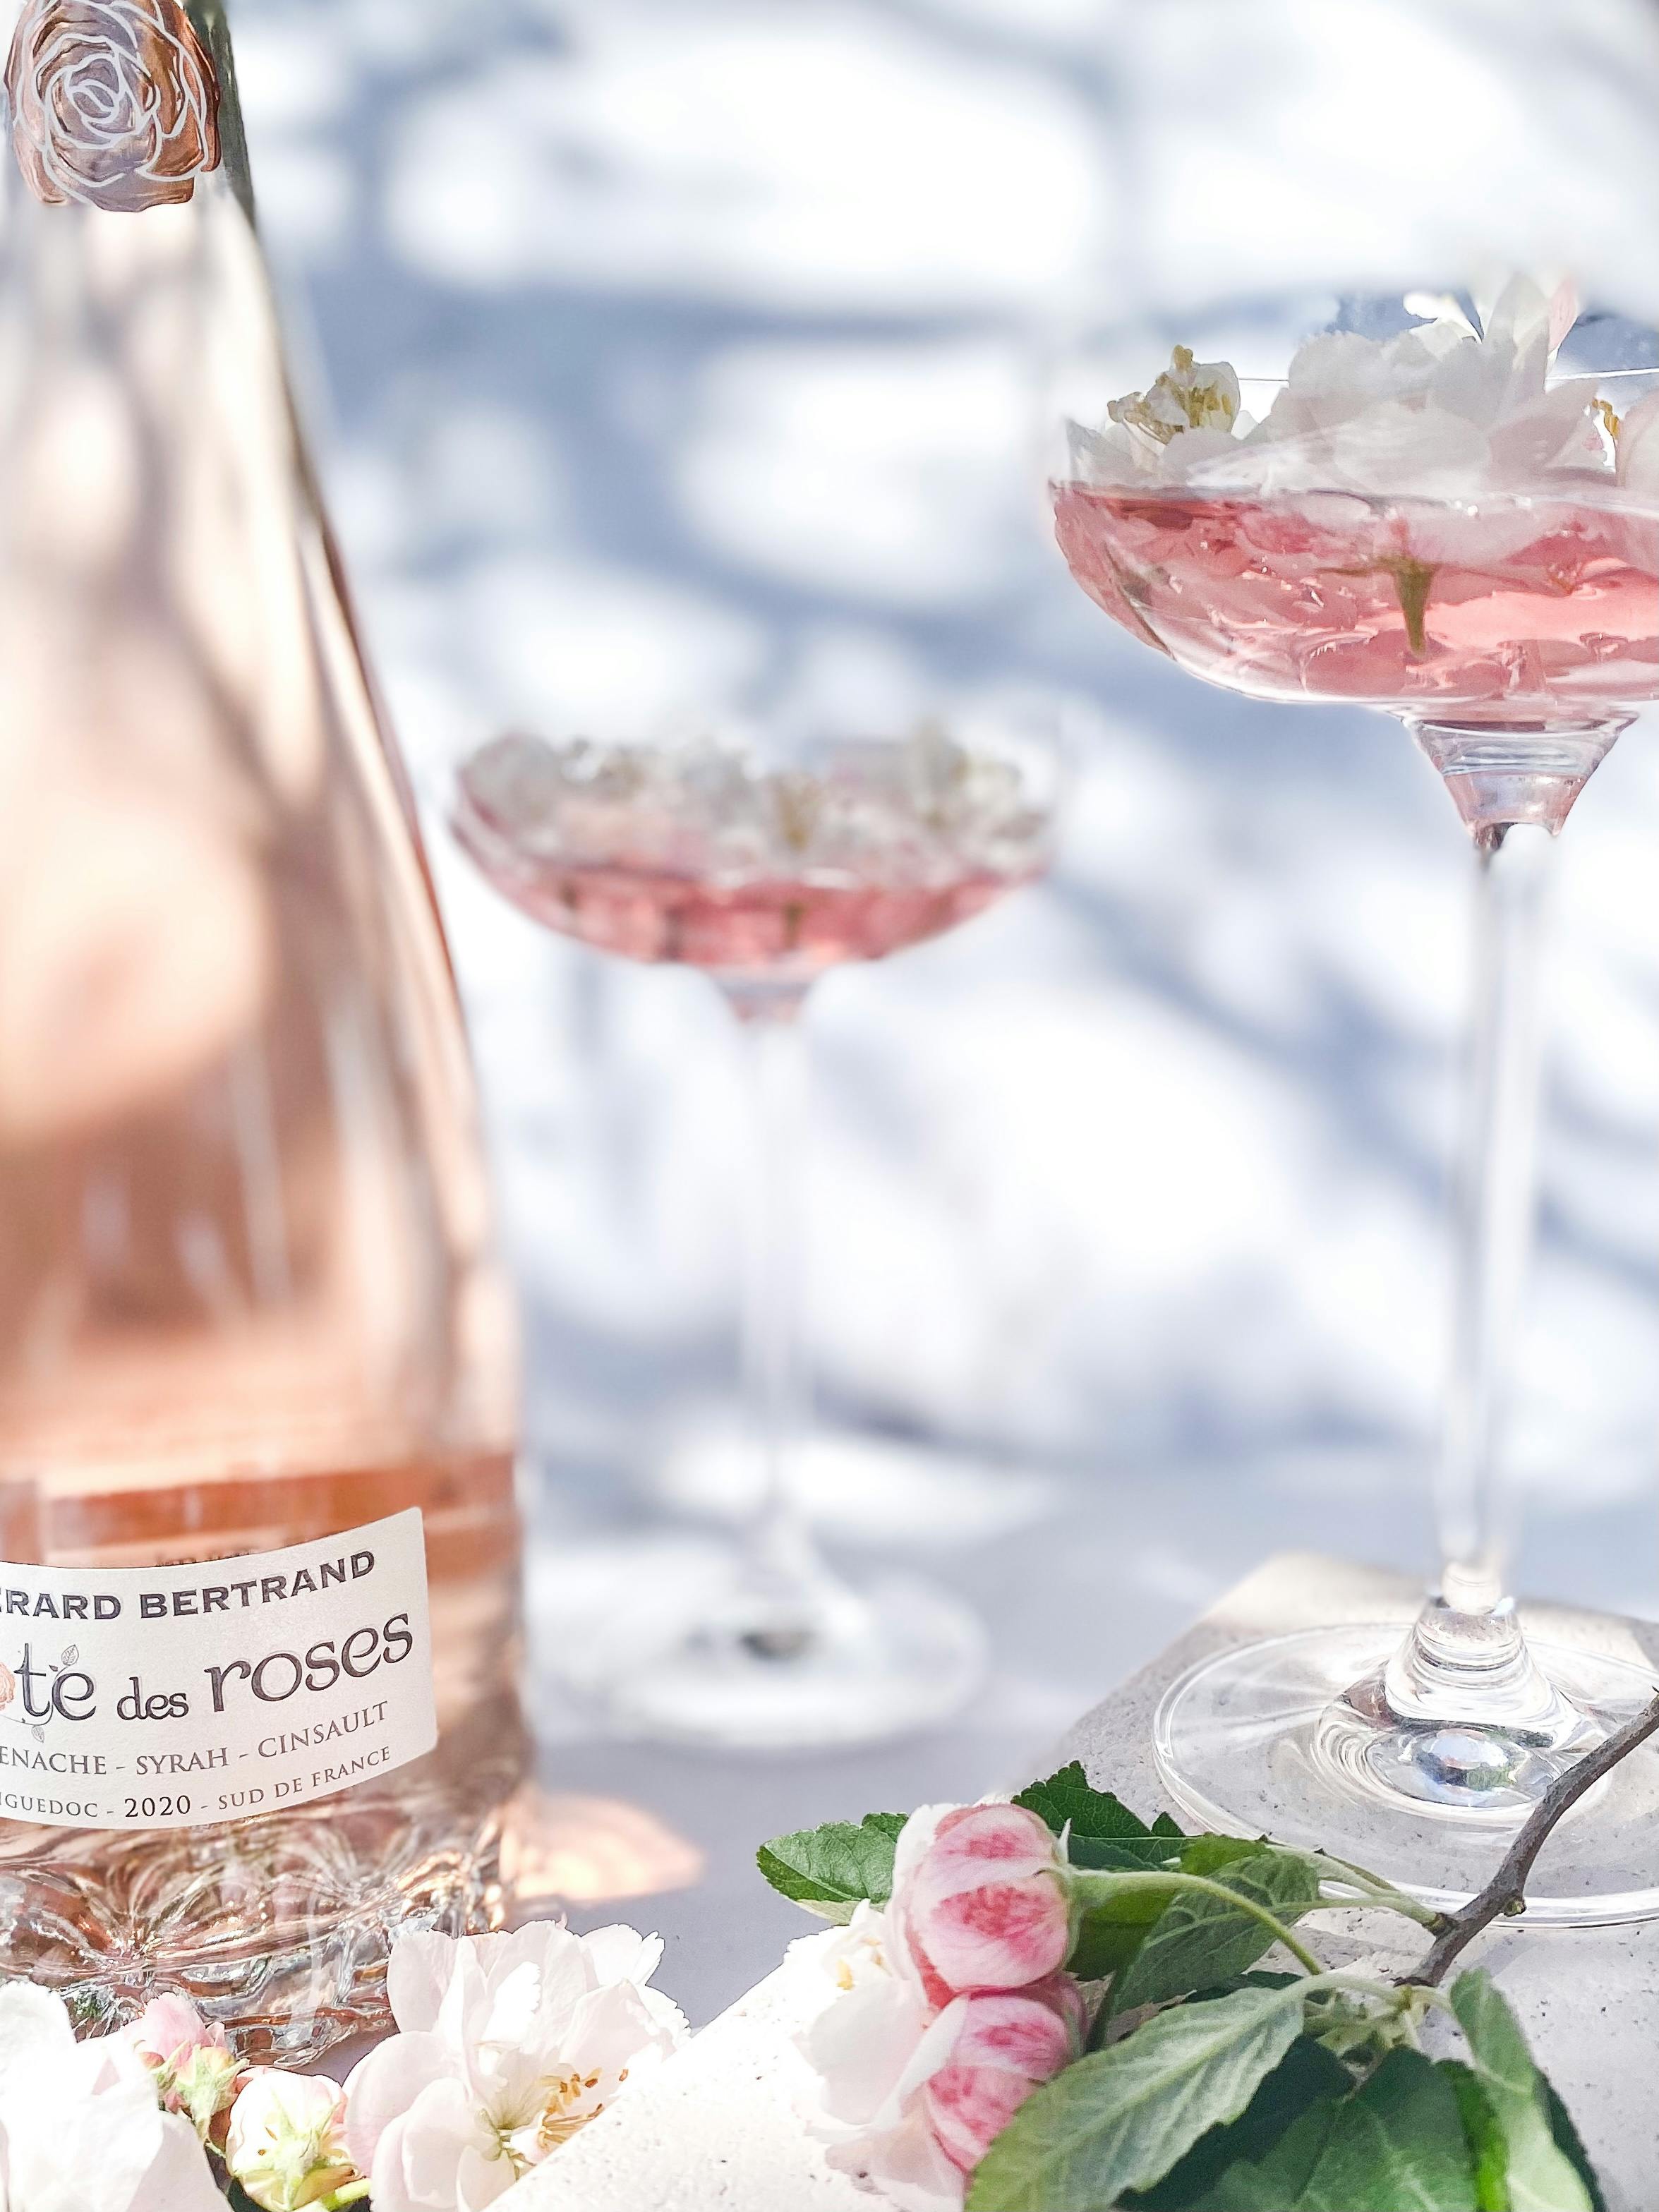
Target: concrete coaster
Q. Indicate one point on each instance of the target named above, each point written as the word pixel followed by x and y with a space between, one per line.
pixel 722 2128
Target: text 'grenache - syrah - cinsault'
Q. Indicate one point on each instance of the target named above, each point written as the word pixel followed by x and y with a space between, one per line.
pixel 258 1546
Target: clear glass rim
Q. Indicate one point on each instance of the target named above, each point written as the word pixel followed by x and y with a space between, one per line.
pixel 1605 496
pixel 1248 380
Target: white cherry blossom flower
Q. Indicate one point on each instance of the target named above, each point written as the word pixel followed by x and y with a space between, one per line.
pixel 842 1959
pixel 80 2127
pixel 1555 286
pixel 869 2047
pixel 1190 395
pixel 1456 406
pixel 507 2045
pixel 286 2143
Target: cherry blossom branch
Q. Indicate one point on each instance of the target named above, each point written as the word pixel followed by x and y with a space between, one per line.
pixel 1504 1895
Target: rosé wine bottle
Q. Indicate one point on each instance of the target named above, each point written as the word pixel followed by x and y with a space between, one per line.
pixel 258 1546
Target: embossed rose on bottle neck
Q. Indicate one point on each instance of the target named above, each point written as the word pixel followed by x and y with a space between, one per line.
pixel 115 103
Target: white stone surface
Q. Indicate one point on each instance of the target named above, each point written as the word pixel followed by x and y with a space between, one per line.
pixel 720 2129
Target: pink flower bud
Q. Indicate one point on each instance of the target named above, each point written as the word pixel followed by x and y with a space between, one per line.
pixel 286 2143
pixel 170 2030
pixel 1007 2045
pixel 196 2071
pixel 979 1899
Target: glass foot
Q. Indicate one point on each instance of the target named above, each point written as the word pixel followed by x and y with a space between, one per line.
pixel 1296 1738
pixel 800 1671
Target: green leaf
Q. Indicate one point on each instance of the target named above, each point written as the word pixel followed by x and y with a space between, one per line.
pixel 1198 1940
pixel 1485 2134
pixel 833 1870
pixel 1068 1799
pixel 1114 1927
pixel 1111 1931
pixel 1120 2118
pixel 1568 2144
pixel 1130 1855
pixel 1207 1855
pixel 1395 2144
pixel 1306 2073
pixel 1540 2177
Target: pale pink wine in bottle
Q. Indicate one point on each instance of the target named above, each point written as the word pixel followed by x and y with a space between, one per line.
pixel 258 1548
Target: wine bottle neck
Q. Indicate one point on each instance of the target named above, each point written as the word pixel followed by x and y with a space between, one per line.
pixel 123 107
pixel 213 23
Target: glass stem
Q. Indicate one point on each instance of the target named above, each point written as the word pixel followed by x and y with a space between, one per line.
pixel 779 1555
pixel 1466 1661
pixel 1496 1206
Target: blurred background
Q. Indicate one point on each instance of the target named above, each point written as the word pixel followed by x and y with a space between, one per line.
pixel 669 348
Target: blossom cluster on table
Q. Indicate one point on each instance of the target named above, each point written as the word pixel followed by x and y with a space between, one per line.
pixel 1051 2005
pixel 506 2045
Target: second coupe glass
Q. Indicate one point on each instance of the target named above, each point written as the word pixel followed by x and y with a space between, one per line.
pixel 765 862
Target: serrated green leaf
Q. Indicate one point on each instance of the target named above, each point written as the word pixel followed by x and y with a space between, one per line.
pixel 1120 2118
pixel 1069 1799
pixel 1198 1940
pixel 1484 2131
pixel 833 1870
pixel 887 1824
pixel 1306 2073
pixel 1147 1854
pixel 1395 2144
pixel 1540 2176
pixel 1129 1855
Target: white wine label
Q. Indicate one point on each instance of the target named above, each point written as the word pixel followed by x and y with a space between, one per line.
pixel 172 1696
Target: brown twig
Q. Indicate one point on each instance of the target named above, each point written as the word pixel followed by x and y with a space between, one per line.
pixel 1505 1893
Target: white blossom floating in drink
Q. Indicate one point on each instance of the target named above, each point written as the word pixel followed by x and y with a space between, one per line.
pixel 698 854
pixel 1443 523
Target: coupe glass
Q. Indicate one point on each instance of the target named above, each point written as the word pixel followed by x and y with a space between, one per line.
pixel 1514 636
pixel 765 859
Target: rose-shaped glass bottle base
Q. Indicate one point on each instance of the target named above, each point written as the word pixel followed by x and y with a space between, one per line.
pixel 819 1665
pixel 1290 1738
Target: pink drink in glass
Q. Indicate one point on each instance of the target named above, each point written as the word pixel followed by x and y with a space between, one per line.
pixel 774 879
pixel 1516 612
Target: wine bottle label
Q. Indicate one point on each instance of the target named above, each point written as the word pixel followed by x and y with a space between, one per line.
pixel 173 1696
